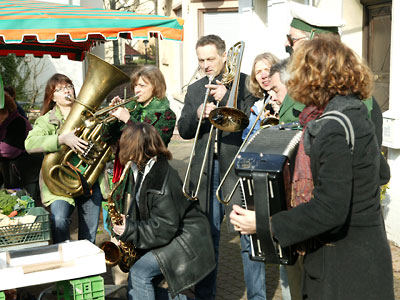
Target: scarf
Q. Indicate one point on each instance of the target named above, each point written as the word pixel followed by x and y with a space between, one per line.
pixel 148 114
pixel 302 183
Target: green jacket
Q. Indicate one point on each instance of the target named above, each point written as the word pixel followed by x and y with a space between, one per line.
pixel 290 110
pixel 43 138
pixel 156 113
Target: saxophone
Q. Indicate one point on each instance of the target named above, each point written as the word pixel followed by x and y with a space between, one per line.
pixel 125 255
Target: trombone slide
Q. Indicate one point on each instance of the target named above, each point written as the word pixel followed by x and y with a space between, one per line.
pixel 229 197
pixel 194 195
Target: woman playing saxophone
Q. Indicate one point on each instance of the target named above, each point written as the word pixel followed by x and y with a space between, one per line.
pixel 159 221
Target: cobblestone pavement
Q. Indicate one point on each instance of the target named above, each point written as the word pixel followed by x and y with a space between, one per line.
pixel 230 282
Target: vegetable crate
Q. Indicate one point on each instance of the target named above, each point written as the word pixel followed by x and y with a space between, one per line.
pixel 81 289
pixel 27 233
pixel 2 296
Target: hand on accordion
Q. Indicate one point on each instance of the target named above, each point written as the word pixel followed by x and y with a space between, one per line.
pixel 243 220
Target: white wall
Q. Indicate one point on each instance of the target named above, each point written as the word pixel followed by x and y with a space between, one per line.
pixel 352 31
pixel 263 28
pixel 393 193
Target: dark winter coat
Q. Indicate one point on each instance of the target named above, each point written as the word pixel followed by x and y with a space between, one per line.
pixel 228 142
pixel 173 227
pixel 350 258
pixel 17 167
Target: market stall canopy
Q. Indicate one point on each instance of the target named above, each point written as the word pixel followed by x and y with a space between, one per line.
pixel 38 28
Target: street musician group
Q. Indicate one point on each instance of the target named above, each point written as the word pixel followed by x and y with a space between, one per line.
pixel 289 155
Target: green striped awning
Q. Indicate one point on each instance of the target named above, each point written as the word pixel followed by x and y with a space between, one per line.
pixel 28 26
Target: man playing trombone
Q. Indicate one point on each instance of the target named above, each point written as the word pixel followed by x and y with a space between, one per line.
pixel 212 56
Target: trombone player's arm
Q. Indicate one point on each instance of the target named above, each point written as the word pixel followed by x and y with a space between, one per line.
pixel 191 112
pixel 218 91
pixel 209 108
pixel 187 123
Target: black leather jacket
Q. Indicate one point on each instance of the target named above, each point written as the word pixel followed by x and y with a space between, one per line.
pixel 171 226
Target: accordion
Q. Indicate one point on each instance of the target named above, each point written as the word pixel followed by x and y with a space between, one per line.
pixel 264 167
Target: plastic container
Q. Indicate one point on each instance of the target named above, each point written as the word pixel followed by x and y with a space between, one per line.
pixel 31 202
pixel 27 233
pixel 81 289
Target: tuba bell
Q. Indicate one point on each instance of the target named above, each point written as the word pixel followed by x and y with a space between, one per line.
pixel 64 172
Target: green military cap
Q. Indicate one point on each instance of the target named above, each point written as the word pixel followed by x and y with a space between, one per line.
pixel 315 20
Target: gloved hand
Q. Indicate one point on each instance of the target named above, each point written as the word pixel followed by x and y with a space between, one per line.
pixel 71 140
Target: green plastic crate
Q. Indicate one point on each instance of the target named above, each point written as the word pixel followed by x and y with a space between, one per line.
pixel 2 296
pixel 27 233
pixel 81 289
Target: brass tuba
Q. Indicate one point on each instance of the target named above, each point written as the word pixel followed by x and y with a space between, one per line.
pixel 69 174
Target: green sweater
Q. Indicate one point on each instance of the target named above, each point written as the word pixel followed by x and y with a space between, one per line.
pixel 291 109
pixel 44 138
pixel 156 113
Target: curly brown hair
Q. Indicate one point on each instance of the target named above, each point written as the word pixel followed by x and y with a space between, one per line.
pixel 139 143
pixel 251 82
pixel 324 67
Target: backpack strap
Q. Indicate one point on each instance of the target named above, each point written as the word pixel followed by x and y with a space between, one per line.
pixel 343 120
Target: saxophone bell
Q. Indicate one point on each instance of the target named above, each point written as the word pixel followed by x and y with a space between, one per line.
pixel 112 253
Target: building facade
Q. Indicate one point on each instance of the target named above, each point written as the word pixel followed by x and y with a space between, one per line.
pixel 371 29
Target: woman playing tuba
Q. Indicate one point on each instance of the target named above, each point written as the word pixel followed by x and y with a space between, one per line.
pixel 44 137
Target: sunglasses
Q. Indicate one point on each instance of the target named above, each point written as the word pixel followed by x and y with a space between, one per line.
pixel 294 40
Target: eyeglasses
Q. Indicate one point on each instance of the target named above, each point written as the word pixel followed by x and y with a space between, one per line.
pixel 64 88
pixel 294 40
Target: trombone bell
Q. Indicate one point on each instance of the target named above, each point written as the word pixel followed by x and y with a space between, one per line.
pixel 269 121
pixel 229 119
